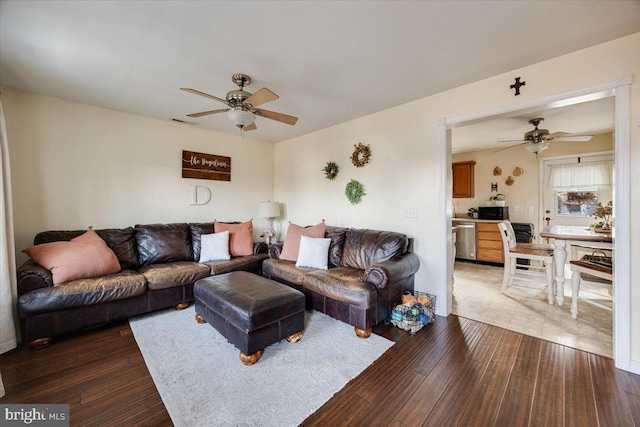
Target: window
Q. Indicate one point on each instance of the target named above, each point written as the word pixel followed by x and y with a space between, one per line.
pixel 576 202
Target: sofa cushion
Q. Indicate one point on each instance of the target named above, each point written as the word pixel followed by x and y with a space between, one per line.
pixel 342 284
pixel 284 271
pixel 362 248
pixel 240 237
pixel 82 257
pixel 337 236
pixel 122 241
pixel 160 243
pixel 291 244
pixel 162 276
pixel 250 263
pixel 314 252
pixel 197 230
pixel 82 292
pixel 214 246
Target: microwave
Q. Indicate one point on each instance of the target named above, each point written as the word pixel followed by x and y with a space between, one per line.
pixel 493 212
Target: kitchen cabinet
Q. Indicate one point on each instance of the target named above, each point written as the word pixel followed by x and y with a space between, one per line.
pixel 489 243
pixel 463 179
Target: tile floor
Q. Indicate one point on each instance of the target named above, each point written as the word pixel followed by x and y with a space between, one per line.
pixel 525 309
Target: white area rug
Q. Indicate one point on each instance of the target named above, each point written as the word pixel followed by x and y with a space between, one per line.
pixel 203 383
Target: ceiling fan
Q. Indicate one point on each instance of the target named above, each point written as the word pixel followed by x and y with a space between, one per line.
pixel 537 140
pixel 242 105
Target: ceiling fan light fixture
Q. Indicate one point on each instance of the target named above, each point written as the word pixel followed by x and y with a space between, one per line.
pixel 536 148
pixel 240 117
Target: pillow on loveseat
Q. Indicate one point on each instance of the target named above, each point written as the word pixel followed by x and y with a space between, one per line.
pixel 314 252
pixel 291 245
pixel 82 257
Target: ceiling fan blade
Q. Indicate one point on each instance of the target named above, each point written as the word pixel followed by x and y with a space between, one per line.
pixel 206 113
pixel 262 96
pixel 513 140
pixel 575 138
pixel 206 95
pixel 252 126
pixel 556 135
pixel 290 120
pixel 517 145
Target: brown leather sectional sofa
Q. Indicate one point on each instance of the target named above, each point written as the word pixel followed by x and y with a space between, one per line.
pixel 368 271
pixel 159 267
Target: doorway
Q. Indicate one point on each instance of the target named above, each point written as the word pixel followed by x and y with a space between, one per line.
pixel 619 89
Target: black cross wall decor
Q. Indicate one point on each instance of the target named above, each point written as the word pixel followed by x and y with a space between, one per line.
pixel 517 85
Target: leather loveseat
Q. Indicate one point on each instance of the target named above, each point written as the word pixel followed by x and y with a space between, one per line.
pixel 368 272
pixel 159 269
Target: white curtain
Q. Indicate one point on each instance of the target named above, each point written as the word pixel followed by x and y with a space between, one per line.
pixel 575 175
pixel 8 286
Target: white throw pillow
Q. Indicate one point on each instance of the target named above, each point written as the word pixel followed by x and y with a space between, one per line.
pixel 314 252
pixel 214 246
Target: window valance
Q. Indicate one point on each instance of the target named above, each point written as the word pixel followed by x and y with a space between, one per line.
pixel 576 175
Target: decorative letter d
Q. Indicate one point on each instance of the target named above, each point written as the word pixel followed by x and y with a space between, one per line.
pixel 194 195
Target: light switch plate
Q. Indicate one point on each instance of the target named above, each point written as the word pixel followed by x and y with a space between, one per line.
pixel 517 208
pixel 532 209
pixel 410 212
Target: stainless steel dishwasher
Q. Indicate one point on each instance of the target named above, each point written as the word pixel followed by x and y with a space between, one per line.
pixel 465 240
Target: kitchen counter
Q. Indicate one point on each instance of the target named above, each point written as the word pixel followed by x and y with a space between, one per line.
pixel 467 219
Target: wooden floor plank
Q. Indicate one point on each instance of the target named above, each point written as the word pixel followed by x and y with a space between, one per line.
pixel 429 378
pixel 455 399
pixel 485 401
pixel 579 398
pixel 417 408
pixel 548 399
pixel 611 404
pixel 515 407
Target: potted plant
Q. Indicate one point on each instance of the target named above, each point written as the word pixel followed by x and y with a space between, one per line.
pixel 606 214
pixel 499 200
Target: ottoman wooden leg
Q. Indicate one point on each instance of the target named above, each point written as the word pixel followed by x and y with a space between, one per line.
pixel 200 319
pixel 363 333
pixel 295 337
pixel 182 306
pixel 250 359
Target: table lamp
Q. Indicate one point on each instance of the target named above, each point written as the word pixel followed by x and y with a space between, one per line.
pixel 270 210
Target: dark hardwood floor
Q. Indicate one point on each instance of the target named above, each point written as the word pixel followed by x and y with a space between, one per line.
pixel 454 372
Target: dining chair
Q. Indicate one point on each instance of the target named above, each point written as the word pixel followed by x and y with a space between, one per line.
pixel 578 271
pixel 530 251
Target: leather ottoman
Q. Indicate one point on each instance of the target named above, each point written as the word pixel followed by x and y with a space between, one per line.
pixel 250 311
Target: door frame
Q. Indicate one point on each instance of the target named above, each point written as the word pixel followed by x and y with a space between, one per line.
pixel 620 90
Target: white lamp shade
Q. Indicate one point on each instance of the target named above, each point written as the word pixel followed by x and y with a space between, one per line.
pixel 240 117
pixel 536 148
pixel 269 209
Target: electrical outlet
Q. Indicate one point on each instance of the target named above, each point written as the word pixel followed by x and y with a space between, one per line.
pixel 517 208
pixel 459 209
pixel 532 209
pixel 410 212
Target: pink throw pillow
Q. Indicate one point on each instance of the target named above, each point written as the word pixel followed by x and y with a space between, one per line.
pixel 240 237
pixel 291 245
pixel 80 258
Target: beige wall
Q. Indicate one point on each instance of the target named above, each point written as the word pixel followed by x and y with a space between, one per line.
pixel 524 191
pixel 74 165
pixel 407 167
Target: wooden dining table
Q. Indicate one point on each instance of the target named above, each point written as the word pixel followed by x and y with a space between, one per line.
pixel 567 235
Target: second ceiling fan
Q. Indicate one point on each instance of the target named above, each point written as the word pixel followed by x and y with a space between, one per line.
pixel 537 140
pixel 242 105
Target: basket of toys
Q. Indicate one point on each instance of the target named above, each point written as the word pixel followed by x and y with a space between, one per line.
pixel 416 311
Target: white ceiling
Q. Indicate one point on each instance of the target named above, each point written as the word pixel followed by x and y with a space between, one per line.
pixel 330 62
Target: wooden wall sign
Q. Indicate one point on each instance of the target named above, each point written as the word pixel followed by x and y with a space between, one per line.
pixel 205 166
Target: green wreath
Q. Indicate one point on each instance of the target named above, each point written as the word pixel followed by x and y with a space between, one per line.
pixel 354 192
pixel 331 170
